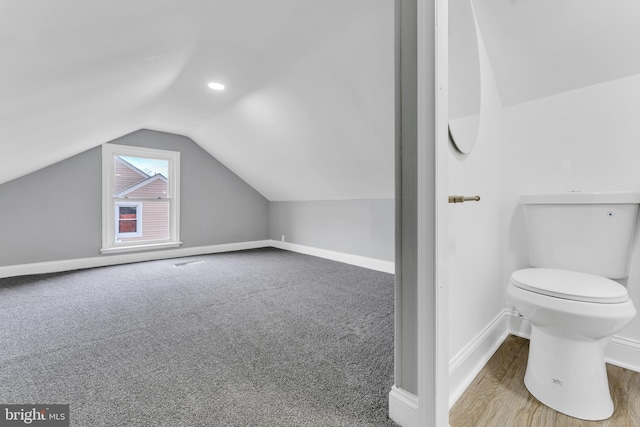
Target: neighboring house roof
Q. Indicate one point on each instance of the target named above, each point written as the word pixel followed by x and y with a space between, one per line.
pixel 133 168
pixel 141 184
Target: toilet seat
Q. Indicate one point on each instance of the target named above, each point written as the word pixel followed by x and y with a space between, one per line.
pixel 570 285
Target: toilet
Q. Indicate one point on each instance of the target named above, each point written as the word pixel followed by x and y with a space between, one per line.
pixel 578 242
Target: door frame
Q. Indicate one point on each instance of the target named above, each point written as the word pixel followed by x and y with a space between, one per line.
pixel 433 302
pixel 420 396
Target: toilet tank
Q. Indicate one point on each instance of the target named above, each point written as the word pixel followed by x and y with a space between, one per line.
pixel 580 231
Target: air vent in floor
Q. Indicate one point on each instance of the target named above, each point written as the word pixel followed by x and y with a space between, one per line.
pixel 185 263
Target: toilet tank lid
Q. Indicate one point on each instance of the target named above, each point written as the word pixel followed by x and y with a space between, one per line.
pixel 570 285
pixel 581 197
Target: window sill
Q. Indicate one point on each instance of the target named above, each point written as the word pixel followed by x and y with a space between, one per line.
pixel 144 247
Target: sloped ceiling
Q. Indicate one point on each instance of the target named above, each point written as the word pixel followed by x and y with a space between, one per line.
pixel 308 110
pixel 307 113
pixel 540 48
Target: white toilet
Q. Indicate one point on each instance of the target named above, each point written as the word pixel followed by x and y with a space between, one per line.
pixel 577 243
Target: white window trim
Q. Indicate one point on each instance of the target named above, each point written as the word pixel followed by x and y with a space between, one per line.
pixel 116 218
pixel 109 240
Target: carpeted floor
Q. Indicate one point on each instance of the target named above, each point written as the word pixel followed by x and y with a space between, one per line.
pixel 253 338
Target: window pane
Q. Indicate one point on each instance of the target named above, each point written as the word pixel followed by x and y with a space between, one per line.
pixel 127 226
pixel 128 212
pixel 139 177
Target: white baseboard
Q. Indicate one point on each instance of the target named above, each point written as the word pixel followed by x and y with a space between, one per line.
pixel 622 352
pixel 102 261
pixel 516 324
pixel 465 365
pixel 357 260
pixel 126 258
pixel 403 407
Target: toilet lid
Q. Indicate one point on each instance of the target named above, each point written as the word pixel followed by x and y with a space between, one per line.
pixel 570 285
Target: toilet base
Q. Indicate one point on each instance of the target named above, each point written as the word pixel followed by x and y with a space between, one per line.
pixel 568 375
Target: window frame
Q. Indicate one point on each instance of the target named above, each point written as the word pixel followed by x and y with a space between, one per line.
pixel 110 241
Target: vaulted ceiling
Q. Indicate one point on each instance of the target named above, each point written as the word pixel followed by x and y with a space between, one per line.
pixel 540 48
pixel 307 112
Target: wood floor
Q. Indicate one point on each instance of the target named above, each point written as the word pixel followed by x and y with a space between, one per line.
pixel 498 397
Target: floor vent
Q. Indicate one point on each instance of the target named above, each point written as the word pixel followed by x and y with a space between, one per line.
pixel 183 264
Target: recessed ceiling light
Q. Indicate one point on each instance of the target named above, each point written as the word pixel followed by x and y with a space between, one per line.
pixel 216 86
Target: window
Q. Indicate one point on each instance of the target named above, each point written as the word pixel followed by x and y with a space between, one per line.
pixel 140 200
pixel 128 220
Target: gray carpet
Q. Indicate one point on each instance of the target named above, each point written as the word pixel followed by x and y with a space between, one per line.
pixel 252 338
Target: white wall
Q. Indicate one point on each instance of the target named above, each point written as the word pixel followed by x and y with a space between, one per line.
pixel 587 139
pixel 476 285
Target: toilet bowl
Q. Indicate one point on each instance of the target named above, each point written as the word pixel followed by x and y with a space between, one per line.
pixel 566 369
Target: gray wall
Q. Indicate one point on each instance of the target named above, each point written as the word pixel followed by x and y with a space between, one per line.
pixel 406 196
pixel 358 227
pixel 56 212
